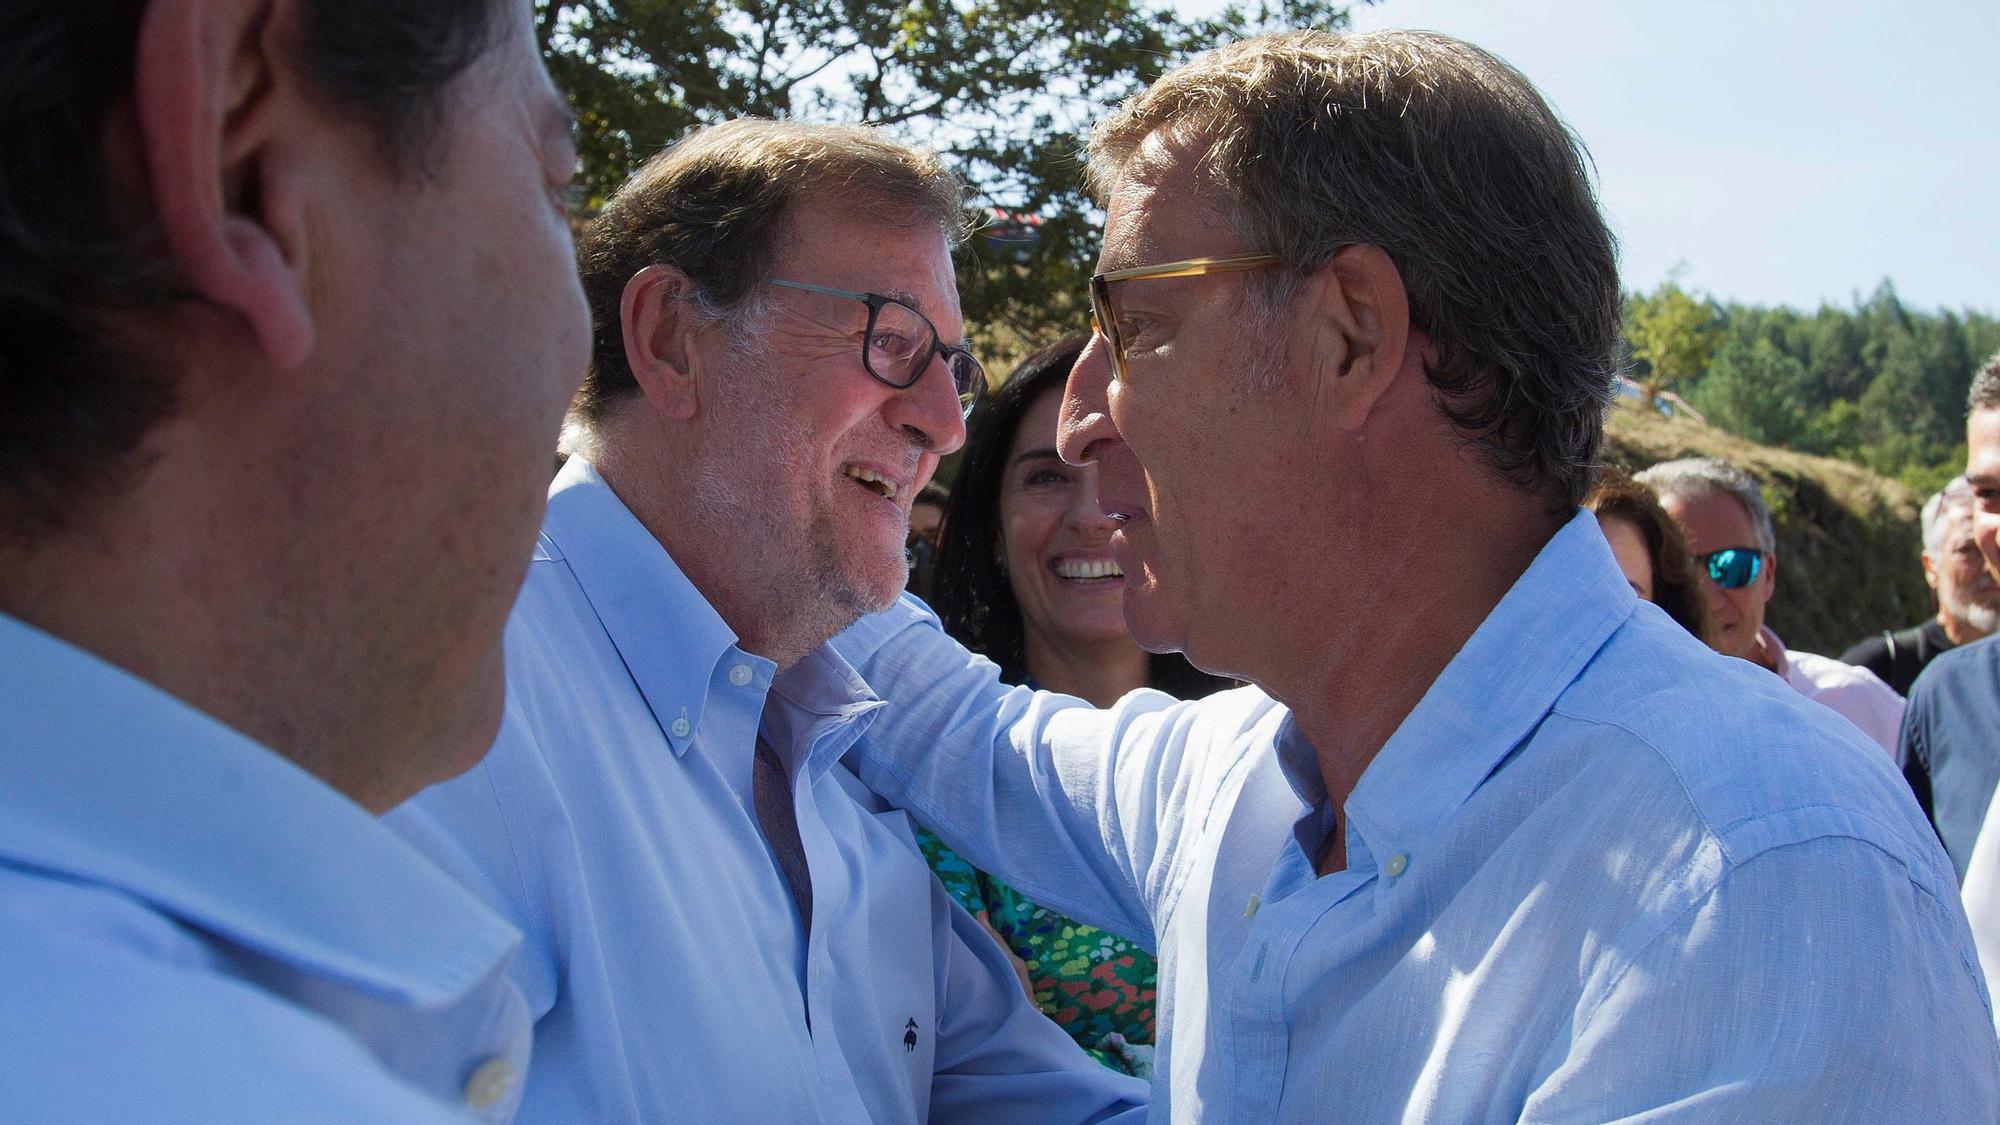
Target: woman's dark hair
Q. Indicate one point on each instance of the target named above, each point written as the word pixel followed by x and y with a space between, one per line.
pixel 1676 586
pixel 971 592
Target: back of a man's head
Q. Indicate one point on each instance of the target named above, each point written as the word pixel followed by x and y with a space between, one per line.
pixel 273 428
pixel 1447 159
pixel 82 381
pixel 714 206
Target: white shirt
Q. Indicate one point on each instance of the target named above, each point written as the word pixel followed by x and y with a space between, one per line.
pixel 1853 693
pixel 1599 872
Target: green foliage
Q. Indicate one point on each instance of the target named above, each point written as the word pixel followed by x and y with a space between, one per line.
pixel 1879 385
pixel 1754 391
pixel 1672 337
pixel 1006 87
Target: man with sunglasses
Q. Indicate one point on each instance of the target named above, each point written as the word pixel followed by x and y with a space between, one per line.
pixel 1728 528
pixel 1487 839
pixel 722 924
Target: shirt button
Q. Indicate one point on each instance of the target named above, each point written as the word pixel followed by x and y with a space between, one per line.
pixel 682 727
pixel 1396 864
pixel 489 1084
pixel 739 675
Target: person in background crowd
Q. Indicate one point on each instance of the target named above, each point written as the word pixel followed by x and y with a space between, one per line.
pixel 722 925
pixel 1967 592
pixel 1951 753
pixel 926 526
pixel 274 431
pixel 1484 841
pixel 1728 529
pixel 1026 579
pixel 1649 548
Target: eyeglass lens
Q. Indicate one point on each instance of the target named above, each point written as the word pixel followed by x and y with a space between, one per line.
pixel 1733 568
pixel 901 343
pixel 1104 322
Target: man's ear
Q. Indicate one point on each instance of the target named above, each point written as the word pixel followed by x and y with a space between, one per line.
pixel 659 338
pixel 210 93
pixel 1360 331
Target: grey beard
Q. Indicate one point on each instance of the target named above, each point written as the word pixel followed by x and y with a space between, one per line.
pixel 1979 617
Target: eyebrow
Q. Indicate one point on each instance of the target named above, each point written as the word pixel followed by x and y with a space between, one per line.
pixel 1038 455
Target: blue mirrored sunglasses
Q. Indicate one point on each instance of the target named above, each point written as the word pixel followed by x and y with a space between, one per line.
pixel 1733 568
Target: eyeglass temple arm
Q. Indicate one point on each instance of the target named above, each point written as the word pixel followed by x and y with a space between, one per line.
pixel 1193 267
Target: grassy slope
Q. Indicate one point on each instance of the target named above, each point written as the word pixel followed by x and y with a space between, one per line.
pixel 1847 539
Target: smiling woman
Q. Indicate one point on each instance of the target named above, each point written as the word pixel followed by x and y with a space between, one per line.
pixel 1025 576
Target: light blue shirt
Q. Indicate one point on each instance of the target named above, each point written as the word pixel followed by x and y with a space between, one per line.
pixel 665 962
pixel 1599 872
pixel 194 929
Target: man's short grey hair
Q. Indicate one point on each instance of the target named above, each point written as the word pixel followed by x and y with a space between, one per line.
pixel 1448 160
pixel 1984 393
pixel 1948 501
pixel 1692 477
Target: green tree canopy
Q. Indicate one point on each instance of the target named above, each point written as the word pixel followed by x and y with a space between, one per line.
pixel 1879 384
pixel 1672 337
pixel 1007 88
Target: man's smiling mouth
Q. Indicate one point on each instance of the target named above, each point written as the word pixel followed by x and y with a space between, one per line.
pixel 887 488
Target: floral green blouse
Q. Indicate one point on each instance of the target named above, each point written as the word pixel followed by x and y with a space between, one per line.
pixel 1097 986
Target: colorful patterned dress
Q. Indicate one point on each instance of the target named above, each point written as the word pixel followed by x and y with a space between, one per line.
pixel 1098 987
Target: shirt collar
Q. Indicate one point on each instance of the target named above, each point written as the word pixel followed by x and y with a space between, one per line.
pixel 1768 637
pixel 1494 693
pixel 111 781
pixel 832 705
pixel 665 631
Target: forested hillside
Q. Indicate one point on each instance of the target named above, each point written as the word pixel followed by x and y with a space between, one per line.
pixel 1878 384
pixel 1847 537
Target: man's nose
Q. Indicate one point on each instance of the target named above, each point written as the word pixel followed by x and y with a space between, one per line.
pixel 1084 423
pixel 928 410
pixel 1084 511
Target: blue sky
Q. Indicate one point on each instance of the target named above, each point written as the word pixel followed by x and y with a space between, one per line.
pixel 1776 152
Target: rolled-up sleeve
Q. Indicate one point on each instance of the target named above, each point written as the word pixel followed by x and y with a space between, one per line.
pixel 1076 808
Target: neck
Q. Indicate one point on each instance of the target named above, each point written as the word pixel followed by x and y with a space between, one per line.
pixel 1765 652
pixel 239 627
pixel 718 551
pixel 1381 654
pixel 1101 671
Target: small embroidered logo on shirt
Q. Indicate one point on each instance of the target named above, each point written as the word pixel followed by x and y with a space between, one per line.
pixel 910 1035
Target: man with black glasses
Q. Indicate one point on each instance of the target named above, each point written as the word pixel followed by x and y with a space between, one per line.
pixel 1728 529
pixel 722 925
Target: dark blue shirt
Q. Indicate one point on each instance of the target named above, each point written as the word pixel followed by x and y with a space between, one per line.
pixel 1951 743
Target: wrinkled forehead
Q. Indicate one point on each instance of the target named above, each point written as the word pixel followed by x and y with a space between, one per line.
pixel 1163 208
pixel 896 253
pixel 1953 524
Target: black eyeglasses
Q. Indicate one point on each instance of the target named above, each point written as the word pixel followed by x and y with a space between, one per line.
pixel 1104 315
pixel 900 342
pixel 1732 568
